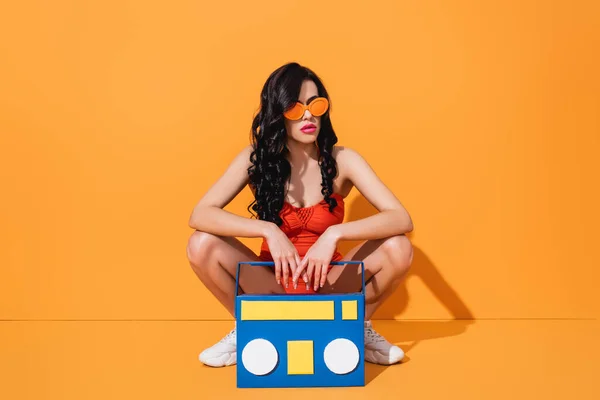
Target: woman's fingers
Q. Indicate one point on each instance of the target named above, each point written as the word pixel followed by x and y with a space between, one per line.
pixel 298 263
pixel 304 274
pixel 292 263
pixel 309 271
pixel 277 270
pixel 300 270
pixel 317 277
pixel 324 271
pixel 285 270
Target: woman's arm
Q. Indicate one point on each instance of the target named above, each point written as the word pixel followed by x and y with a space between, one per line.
pixel 208 215
pixel 392 219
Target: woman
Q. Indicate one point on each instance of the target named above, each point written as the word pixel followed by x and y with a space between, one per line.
pixel 299 179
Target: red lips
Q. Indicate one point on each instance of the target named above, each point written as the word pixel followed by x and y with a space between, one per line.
pixel 308 126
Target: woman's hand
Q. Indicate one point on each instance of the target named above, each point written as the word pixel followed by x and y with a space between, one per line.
pixel 285 256
pixel 317 260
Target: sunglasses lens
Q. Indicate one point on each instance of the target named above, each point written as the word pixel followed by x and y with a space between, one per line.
pixel 319 106
pixel 295 112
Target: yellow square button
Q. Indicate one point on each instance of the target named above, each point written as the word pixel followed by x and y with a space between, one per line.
pixel 300 357
pixel 349 309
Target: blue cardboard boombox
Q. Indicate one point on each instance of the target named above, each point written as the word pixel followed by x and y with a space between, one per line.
pixel 300 340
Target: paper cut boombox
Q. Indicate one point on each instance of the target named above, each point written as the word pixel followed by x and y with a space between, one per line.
pixel 300 340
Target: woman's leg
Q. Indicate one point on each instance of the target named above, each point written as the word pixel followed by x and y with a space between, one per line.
pixel 214 259
pixel 387 262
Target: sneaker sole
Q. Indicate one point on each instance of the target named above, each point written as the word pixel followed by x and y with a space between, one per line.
pixel 224 360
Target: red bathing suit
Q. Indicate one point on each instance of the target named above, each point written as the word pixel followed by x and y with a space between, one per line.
pixel 303 226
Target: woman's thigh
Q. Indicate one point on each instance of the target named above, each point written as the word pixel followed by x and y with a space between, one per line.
pixel 347 278
pixel 205 248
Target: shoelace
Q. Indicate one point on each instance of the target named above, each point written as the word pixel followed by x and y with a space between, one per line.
pixel 230 338
pixel 372 336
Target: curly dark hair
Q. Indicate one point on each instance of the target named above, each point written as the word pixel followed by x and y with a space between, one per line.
pixel 270 169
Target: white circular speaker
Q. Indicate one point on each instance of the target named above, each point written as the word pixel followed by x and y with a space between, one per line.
pixel 341 356
pixel 259 357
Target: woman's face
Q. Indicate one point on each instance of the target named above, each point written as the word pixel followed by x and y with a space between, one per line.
pixel 306 129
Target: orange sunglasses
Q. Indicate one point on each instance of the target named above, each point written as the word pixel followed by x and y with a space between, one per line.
pixel 317 107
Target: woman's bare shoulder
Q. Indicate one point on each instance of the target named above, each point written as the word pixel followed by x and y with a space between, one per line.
pixel 344 153
pixel 243 156
pixel 246 151
pixel 344 156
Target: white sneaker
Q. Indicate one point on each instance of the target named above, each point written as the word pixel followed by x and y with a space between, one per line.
pixel 221 354
pixel 378 350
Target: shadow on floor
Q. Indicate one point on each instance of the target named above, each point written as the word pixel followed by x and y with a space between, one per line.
pixel 408 334
pixel 400 332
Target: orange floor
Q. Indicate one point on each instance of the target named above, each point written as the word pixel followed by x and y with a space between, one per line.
pixel 482 359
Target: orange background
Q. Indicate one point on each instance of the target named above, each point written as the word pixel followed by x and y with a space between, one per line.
pixel 116 117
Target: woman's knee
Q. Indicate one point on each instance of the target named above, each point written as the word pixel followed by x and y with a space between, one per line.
pixel 200 246
pixel 399 251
